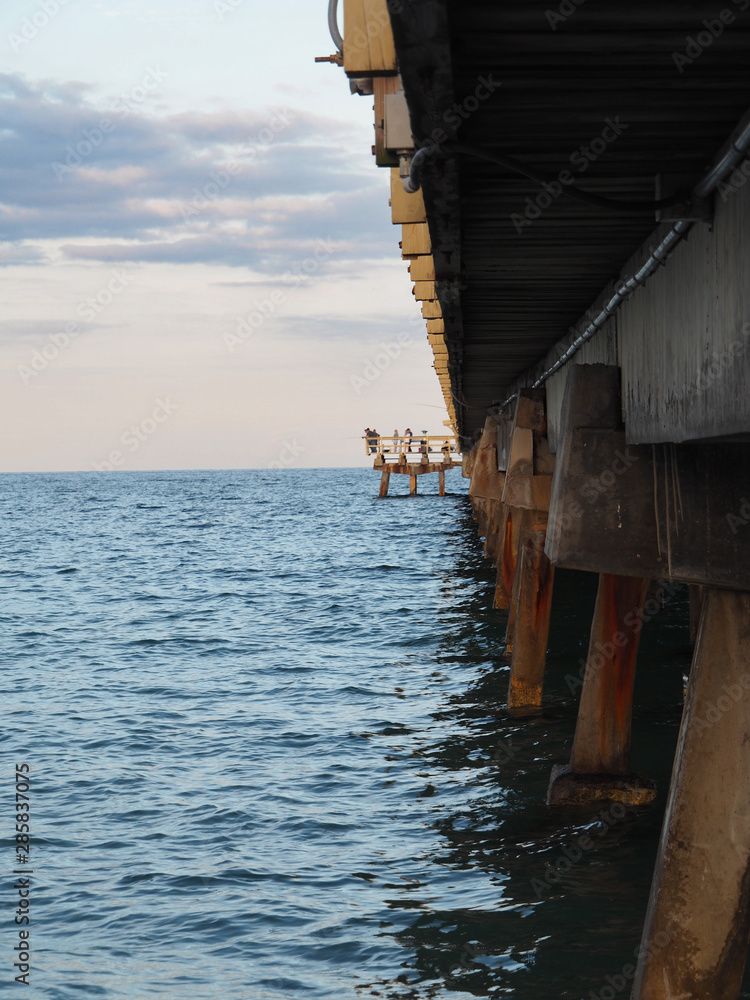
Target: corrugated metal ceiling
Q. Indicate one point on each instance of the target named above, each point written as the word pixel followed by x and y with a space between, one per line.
pixel 519 293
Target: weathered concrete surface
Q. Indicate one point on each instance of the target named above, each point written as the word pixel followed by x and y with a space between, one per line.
pixel 506 558
pixel 685 336
pixel 697 927
pixel 600 759
pixel 467 468
pixel 528 478
pixel 603 732
pixel 666 512
pixel 486 480
pixel 566 788
pixel 495 524
pixel 600 350
pixel 533 600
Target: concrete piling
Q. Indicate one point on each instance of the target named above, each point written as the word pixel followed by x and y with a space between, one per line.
pixel 533 598
pixel 600 760
pixel 697 928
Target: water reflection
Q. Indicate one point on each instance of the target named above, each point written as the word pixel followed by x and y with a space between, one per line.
pixel 518 899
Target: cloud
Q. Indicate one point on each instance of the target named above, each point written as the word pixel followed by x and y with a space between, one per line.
pixel 15 254
pixel 123 183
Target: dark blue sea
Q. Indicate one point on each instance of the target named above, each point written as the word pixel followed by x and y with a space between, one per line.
pixel 269 758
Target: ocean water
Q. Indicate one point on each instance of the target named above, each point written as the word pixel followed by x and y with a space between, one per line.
pixel 269 758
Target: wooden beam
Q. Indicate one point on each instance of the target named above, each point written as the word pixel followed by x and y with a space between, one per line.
pixel 415 240
pixel 405 208
pixel 431 310
pixel 424 291
pixel 422 269
pixel 368 39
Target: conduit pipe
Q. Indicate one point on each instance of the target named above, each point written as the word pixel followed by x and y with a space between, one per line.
pixel 333 25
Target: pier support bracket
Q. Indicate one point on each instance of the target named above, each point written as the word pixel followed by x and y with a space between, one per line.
pixel 667 511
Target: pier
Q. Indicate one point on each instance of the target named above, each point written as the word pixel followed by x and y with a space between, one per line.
pixel 571 189
pixel 417 456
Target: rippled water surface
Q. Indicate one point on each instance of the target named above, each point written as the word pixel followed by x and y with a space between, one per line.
pixel 264 717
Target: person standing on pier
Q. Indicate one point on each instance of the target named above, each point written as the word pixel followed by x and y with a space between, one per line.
pixel 407 438
pixel 371 437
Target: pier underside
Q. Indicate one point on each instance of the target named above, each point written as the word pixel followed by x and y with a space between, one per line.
pixel 577 230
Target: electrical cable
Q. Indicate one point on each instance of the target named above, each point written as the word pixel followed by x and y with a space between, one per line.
pixel 333 25
pixel 412 183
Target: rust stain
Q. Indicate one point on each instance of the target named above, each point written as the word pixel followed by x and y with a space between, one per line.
pixel 508 567
pixel 618 609
pixel 544 574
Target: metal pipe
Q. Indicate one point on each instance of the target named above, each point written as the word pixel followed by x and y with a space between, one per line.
pixel 413 181
pixel 333 25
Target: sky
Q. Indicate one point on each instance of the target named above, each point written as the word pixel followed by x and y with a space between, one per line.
pixel 198 264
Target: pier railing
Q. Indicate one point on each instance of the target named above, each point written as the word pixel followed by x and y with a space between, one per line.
pixel 437 447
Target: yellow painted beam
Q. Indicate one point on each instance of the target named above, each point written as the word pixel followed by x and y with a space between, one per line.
pixel 424 291
pixel 415 240
pixel 368 39
pixel 422 269
pixel 405 208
